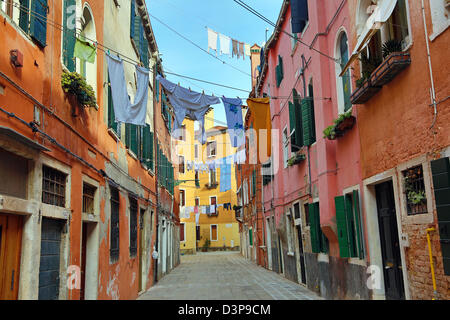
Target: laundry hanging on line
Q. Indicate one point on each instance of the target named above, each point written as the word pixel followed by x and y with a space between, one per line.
pixel 212 40
pixel 260 109
pixel 233 112
pixel 188 103
pixel 225 43
pixel 84 51
pixel 125 111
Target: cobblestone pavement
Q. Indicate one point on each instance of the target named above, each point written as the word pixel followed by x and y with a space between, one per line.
pixel 224 276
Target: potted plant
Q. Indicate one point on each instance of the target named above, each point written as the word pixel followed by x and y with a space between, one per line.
pixel 296 159
pixel 76 86
pixel 206 245
pixel 415 196
pixel 343 123
pixel 395 60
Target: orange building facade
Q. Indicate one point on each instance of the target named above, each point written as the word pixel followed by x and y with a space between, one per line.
pixel 80 213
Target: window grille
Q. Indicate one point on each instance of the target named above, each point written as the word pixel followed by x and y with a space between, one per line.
pixel 53 187
pixel 114 238
pixel 88 198
pixel 416 200
pixel 133 226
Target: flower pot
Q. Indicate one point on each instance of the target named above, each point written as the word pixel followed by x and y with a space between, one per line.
pixel 391 66
pixel 364 93
pixel 346 124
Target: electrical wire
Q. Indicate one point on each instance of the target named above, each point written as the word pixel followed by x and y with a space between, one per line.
pixel 125 58
pixel 259 15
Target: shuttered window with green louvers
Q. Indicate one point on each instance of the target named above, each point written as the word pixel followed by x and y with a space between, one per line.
pixel 348 223
pixel 147 147
pixel 24 15
pixel 295 122
pixel 69 35
pixel 111 116
pixel 279 71
pixel 315 232
pixel 131 138
pixel 308 121
pixel 38 22
pixel 441 182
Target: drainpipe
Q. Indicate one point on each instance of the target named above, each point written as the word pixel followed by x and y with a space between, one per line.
pixel 431 262
pixel 432 90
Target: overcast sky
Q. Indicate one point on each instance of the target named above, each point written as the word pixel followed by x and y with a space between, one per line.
pixel 189 18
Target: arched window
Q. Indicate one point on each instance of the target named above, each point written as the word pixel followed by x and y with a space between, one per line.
pixel 343 86
pixel 88 33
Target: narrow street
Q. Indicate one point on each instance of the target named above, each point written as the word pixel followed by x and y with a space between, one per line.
pixel 224 276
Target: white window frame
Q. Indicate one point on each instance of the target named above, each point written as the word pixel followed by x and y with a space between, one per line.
pixel 338 69
pixel 210 155
pixel 210 232
pixel 184 191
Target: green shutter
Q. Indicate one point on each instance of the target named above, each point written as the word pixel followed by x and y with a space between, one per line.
pixel 314 220
pixel 441 182
pixel 137 31
pixel 111 116
pixel 357 215
pixel 143 48
pixel 38 22
pixel 68 37
pixel 350 226
pixel 24 15
pixel 250 236
pixel 132 18
pixel 280 63
pixel 309 136
pixel 341 222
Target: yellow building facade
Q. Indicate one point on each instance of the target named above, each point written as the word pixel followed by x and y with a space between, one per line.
pixel 219 230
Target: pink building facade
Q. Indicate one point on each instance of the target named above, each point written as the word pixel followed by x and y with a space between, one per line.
pixel 312 187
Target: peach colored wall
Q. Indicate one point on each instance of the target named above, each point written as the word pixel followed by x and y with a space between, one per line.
pixel 40 76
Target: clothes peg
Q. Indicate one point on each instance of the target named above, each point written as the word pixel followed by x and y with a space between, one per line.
pixel 203 91
pixel 190 89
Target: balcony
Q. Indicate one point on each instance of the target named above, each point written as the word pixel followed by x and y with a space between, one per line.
pixel 382 75
pixel 210 186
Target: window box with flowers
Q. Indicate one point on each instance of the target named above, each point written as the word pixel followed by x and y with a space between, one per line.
pixel 394 61
pixel 78 89
pixel 341 125
pixel 296 159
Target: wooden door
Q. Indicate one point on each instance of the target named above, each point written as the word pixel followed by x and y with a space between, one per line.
pixel 141 248
pixel 301 255
pixel 390 243
pixel 10 247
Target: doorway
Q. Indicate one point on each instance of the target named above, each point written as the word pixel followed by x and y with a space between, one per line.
pixel 301 255
pixel 10 247
pixel 50 261
pixel 390 243
pixel 141 275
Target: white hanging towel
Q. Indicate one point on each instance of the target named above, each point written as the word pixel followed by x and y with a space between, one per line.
pixel 247 50
pixel 212 40
pixel 225 44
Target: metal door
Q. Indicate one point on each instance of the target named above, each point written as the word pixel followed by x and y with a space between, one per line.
pixel 49 268
pixel 390 244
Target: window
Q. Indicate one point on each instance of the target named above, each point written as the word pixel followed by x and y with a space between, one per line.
pixel 319 242
pixel 87 34
pixel 295 122
pixel 197 201
pixel 182 231
pixel 279 71
pixel 53 187
pixel 416 200
pixel 112 124
pixel 306 208
pixel 440 13
pixel 300 16
pixel 289 224
pixel 181 164
pixel 182 198
pixel 196 151
pixel 132 138
pixel 35 24
pixel 212 200
pixel 348 221
pixel 133 226
pixel 147 147
pixel 294 38
pixel 137 34
pixel 114 221
pixel 88 198
pixel 197 180
pixel 211 148
pixel 214 233
pixel 182 136
pixel 297 211
pixel 250 237
pixel 343 83
pixel 212 178
pixel 285 147
pixel 308 118
pixel 267 173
